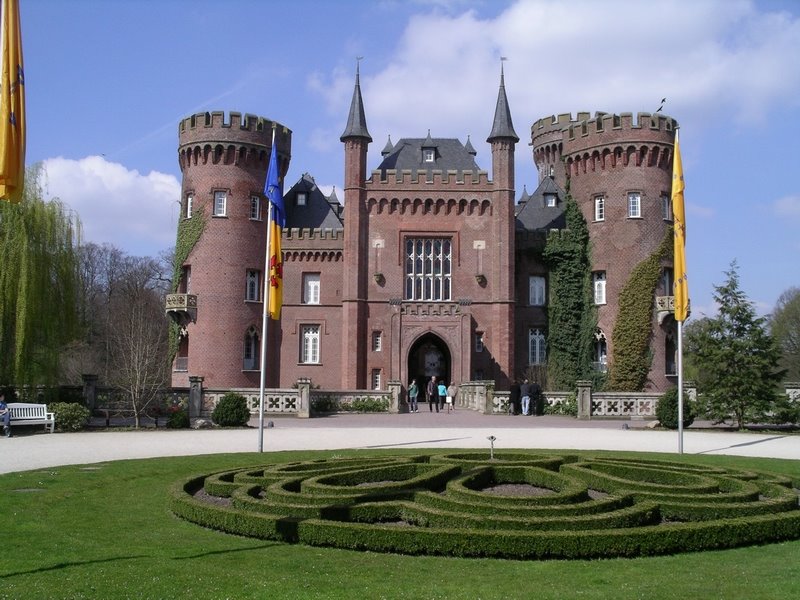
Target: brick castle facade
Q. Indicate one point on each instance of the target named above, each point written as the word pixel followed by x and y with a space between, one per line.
pixel 429 267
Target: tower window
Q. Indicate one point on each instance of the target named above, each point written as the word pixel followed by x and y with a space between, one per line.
pixel 479 341
pixel 536 290
pixel 634 205
pixel 599 208
pixel 251 350
pixel 255 208
pixel 301 198
pixel 309 349
pixel 600 352
pixel 189 205
pixel 220 204
pixel 376 379
pixel 599 286
pixel 666 207
pixel 536 347
pixel 253 288
pixel 311 288
pixel 377 341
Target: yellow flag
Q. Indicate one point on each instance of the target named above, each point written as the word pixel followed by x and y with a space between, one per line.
pixel 276 223
pixel 681 286
pixel 12 107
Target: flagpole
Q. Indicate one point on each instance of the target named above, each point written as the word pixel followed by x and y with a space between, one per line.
pixel 680 387
pixel 264 322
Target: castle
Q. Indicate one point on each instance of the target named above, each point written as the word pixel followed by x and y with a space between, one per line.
pixel 429 267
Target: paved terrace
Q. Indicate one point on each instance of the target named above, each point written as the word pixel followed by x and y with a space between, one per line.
pixel 461 429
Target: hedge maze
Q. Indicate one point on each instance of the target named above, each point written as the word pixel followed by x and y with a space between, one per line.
pixel 519 505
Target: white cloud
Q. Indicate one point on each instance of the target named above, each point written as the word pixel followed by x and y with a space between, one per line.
pixel 788 206
pixel 134 212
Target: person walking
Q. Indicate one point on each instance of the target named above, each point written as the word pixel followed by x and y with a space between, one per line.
pixel 514 398
pixel 413 392
pixel 452 390
pixel 525 391
pixel 442 390
pixel 433 394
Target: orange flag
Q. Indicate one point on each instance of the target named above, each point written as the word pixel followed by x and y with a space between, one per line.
pixel 12 107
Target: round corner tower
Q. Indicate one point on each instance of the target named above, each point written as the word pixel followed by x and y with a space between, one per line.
pixel 221 244
pixel 619 171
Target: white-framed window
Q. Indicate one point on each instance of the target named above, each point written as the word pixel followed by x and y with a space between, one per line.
pixel 377 341
pixel 311 288
pixel 536 347
pixel 220 204
pixel 253 287
pixel 666 207
pixel 189 205
pixel 429 155
pixel 599 208
pixel 376 379
pixel 255 208
pixel 301 199
pixel 428 269
pixel 599 286
pixel 550 200
pixel 536 290
pixel 634 205
pixel 251 350
pixel 309 340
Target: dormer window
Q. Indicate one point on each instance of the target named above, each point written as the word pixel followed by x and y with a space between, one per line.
pixel 428 155
pixel 301 198
pixel 550 200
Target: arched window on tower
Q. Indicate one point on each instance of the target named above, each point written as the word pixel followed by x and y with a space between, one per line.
pixel 600 362
pixel 251 350
pixel 536 347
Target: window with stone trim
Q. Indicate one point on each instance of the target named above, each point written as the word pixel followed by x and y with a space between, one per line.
pixel 311 288
pixel 599 287
pixel 309 344
pixel 537 344
pixel 599 208
pixel 253 287
pixel 251 350
pixel 666 207
pixel 537 289
pixel 428 269
pixel 634 205
pixel 189 205
pixel 376 379
pixel 220 204
pixel 377 341
pixel 255 208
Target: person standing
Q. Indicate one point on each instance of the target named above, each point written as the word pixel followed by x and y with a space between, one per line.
pixel 525 391
pixel 413 392
pixel 514 398
pixel 433 394
pixel 442 390
pixel 5 415
pixel 536 399
pixel 452 390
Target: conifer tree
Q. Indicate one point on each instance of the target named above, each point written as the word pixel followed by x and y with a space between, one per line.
pixel 736 357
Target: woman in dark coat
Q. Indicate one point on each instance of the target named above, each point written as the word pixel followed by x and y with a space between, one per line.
pixel 514 399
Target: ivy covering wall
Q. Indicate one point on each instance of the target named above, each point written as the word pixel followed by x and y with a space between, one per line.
pixel 571 314
pixel 633 329
pixel 189 232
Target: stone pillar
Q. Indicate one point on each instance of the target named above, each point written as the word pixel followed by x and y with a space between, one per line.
pixel 90 391
pixel 397 403
pixel 195 396
pixel 485 392
pixel 584 399
pixel 304 398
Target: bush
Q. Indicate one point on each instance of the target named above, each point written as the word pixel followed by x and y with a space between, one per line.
pixel 70 416
pixel 231 411
pixel 667 410
pixel 178 418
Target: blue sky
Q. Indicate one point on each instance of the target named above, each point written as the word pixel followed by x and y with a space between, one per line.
pixel 107 82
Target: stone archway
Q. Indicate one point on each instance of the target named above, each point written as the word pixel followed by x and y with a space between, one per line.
pixel 429 356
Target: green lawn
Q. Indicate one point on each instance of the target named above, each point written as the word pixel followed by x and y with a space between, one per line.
pixel 104 531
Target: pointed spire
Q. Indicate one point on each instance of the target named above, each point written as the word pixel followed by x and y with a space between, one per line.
pixel 502 126
pixel 468 147
pixel 387 149
pixel 428 143
pixel 356 121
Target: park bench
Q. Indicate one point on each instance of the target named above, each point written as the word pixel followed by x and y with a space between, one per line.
pixel 25 413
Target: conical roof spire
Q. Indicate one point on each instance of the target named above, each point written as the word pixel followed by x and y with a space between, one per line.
pixel 356 121
pixel 502 126
pixel 387 149
pixel 468 147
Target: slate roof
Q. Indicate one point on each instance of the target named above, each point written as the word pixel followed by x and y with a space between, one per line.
pixel 320 211
pixel 450 154
pixel 356 120
pixel 533 214
pixel 502 127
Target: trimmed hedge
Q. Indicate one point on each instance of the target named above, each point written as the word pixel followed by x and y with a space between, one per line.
pixel 583 507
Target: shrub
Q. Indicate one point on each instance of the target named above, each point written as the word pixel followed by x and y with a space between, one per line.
pixel 231 411
pixel 667 410
pixel 70 416
pixel 178 418
pixel 568 407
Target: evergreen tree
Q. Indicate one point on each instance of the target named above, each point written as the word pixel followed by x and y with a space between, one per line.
pixel 784 325
pixel 737 358
pixel 38 287
pixel 571 316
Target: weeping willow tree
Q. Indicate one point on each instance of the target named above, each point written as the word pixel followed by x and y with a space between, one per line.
pixel 38 286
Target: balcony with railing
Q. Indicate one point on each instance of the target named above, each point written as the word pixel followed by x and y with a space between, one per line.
pixel 182 308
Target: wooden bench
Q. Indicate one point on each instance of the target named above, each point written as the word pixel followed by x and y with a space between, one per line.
pixel 25 413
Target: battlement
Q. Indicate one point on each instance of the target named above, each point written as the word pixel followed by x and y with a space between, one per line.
pixel 307 233
pixel 218 126
pixel 421 177
pixel 584 124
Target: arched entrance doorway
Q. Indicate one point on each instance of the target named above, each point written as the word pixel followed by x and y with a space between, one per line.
pixel 428 357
